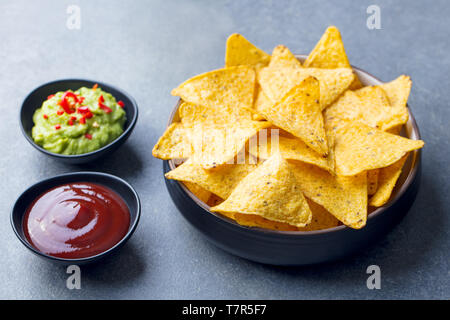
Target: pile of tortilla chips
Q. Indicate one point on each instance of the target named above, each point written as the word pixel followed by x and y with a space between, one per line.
pixel 273 143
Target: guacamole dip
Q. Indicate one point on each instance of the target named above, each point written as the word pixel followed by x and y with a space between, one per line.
pixel 76 122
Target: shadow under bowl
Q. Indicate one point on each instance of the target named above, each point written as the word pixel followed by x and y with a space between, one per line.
pixel 290 248
pixel 35 99
pixel 116 184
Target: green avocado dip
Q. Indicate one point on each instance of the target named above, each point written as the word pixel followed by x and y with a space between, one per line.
pixel 76 122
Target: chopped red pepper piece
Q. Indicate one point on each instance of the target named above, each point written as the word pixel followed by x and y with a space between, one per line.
pixel 57 126
pixel 50 96
pixel 95 86
pixel 65 104
pixel 82 120
pixel 73 118
pixel 88 136
pixel 83 109
pixel 80 99
pixel 88 115
pixel 104 107
pixel 101 99
pixel 45 116
pixel 70 122
pixel 121 104
pixel 60 112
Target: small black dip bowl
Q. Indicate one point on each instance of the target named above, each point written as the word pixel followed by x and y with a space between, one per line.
pixel 35 99
pixel 291 248
pixel 116 184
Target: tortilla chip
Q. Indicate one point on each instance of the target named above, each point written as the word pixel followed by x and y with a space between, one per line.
pixel 398 92
pixel 386 182
pixel 253 220
pixel 359 147
pixel 329 53
pixel 173 144
pixel 344 197
pixel 191 114
pixel 221 181
pixel 241 52
pixel 321 218
pixel 372 181
pixel 299 113
pixel 283 57
pixel 369 105
pixel 198 191
pixel 291 149
pixel 233 86
pixel 270 191
pixel 277 82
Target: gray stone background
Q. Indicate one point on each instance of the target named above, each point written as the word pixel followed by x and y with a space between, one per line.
pixel 147 48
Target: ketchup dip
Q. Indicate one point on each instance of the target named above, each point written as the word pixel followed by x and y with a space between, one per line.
pixel 76 220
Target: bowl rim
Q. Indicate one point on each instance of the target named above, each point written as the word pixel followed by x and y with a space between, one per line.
pixel 82 155
pixel 129 233
pixel 377 212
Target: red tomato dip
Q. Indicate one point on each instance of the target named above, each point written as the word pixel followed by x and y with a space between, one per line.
pixel 76 220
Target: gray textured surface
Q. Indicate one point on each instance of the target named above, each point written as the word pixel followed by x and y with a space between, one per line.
pixel 147 48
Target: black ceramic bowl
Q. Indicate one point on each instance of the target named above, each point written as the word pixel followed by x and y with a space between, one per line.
pixel 35 99
pixel 295 247
pixel 118 185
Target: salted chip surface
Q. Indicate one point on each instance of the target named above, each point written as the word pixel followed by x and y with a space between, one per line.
pixel 233 86
pixel 283 57
pixel 270 191
pixel 240 51
pixel 174 143
pixel 291 149
pixel 386 182
pixel 278 81
pixel 369 105
pixel 299 113
pixel 398 92
pixel 221 181
pixel 359 147
pixel 329 53
pixel 198 191
pixel 344 197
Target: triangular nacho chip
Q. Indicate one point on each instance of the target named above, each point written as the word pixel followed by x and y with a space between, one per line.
pixel 386 182
pixel 277 82
pixel 270 191
pixel 398 92
pixel 343 197
pixel 173 144
pixel 241 52
pixel 221 181
pixel 369 105
pixel 233 86
pixel 283 57
pixel 372 181
pixel 329 53
pixel 299 113
pixel 359 147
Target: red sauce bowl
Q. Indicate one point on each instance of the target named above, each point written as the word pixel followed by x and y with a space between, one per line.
pixel 71 192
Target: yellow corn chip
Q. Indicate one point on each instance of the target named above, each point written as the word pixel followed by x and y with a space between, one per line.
pixel 233 86
pixel 291 149
pixel 386 182
pixel 241 52
pixel 398 92
pixel 283 57
pixel 321 218
pixel 369 105
pixel 221 181
pixel 372 181
pixel 198 191
pixel 359 147
pixel 173 144
pixel 277 82
pixel 253 220
pixel 270 191
pixel 344 197
pixel 329 53
pixel 191 114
